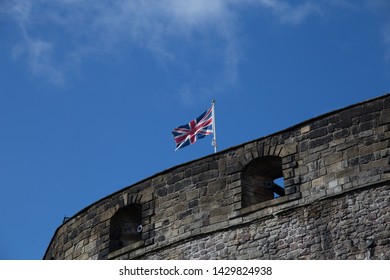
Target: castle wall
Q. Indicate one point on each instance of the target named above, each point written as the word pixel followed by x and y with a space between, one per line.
pixel 334 203
pixel 351 226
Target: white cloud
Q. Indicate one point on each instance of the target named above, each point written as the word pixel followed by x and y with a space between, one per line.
pixel 102 28
pixel 288 13
pixel 197 12
pixel 38 55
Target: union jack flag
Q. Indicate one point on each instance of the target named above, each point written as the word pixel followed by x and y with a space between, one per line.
pixel 187 134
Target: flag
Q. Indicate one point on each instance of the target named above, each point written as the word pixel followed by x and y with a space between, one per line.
pixel 187 134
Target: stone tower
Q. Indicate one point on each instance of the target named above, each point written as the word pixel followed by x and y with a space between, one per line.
pixel 317 190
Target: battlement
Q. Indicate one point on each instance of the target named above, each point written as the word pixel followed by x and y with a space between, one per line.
pixel 317 190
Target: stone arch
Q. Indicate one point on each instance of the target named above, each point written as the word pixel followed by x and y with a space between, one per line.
pixel 126 226
pixel 258 180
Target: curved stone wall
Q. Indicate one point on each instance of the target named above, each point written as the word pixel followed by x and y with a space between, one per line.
pixel 333 202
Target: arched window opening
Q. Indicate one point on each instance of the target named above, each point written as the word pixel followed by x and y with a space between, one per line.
pixel 126 227
pixel 262 180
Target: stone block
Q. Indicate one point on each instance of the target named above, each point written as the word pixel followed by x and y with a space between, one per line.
pixel 305 129
pixel 334 168
pixel 218 186
pixel 351 113
pixel 366 158
pixel 343 133
pixel 320 143
pixel 185 183
pixel 367 126
pixel 320 123
pixel 374 106
pixel 343 124
pixel 318 133
pixel 303 146
pixel 176 177
pixel 333 158
pixel 190 195
pixel 198 169
pixel 380 165
pixel 162 191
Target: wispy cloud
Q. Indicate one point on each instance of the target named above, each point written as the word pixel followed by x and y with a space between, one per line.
pixel 288 13
pixel 39 57
pixel 37 53
pixel 105 27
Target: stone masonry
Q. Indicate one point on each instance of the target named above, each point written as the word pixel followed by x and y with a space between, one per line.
pixel 334 202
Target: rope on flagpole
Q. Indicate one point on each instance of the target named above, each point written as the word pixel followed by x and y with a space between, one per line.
pixel 214 142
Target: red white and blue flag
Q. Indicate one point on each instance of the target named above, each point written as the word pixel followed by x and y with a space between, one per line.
pixel 198 128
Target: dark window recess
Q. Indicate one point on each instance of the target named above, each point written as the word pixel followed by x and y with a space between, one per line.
pixel 126 227
pixel 262 180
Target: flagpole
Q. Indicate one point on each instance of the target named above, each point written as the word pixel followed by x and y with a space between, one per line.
pixel 214 142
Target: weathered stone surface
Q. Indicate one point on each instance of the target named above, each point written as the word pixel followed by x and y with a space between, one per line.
pixel 336 200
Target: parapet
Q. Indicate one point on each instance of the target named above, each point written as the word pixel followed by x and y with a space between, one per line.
pixel 317 190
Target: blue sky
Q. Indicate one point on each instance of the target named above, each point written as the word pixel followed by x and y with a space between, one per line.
pixel 91 90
